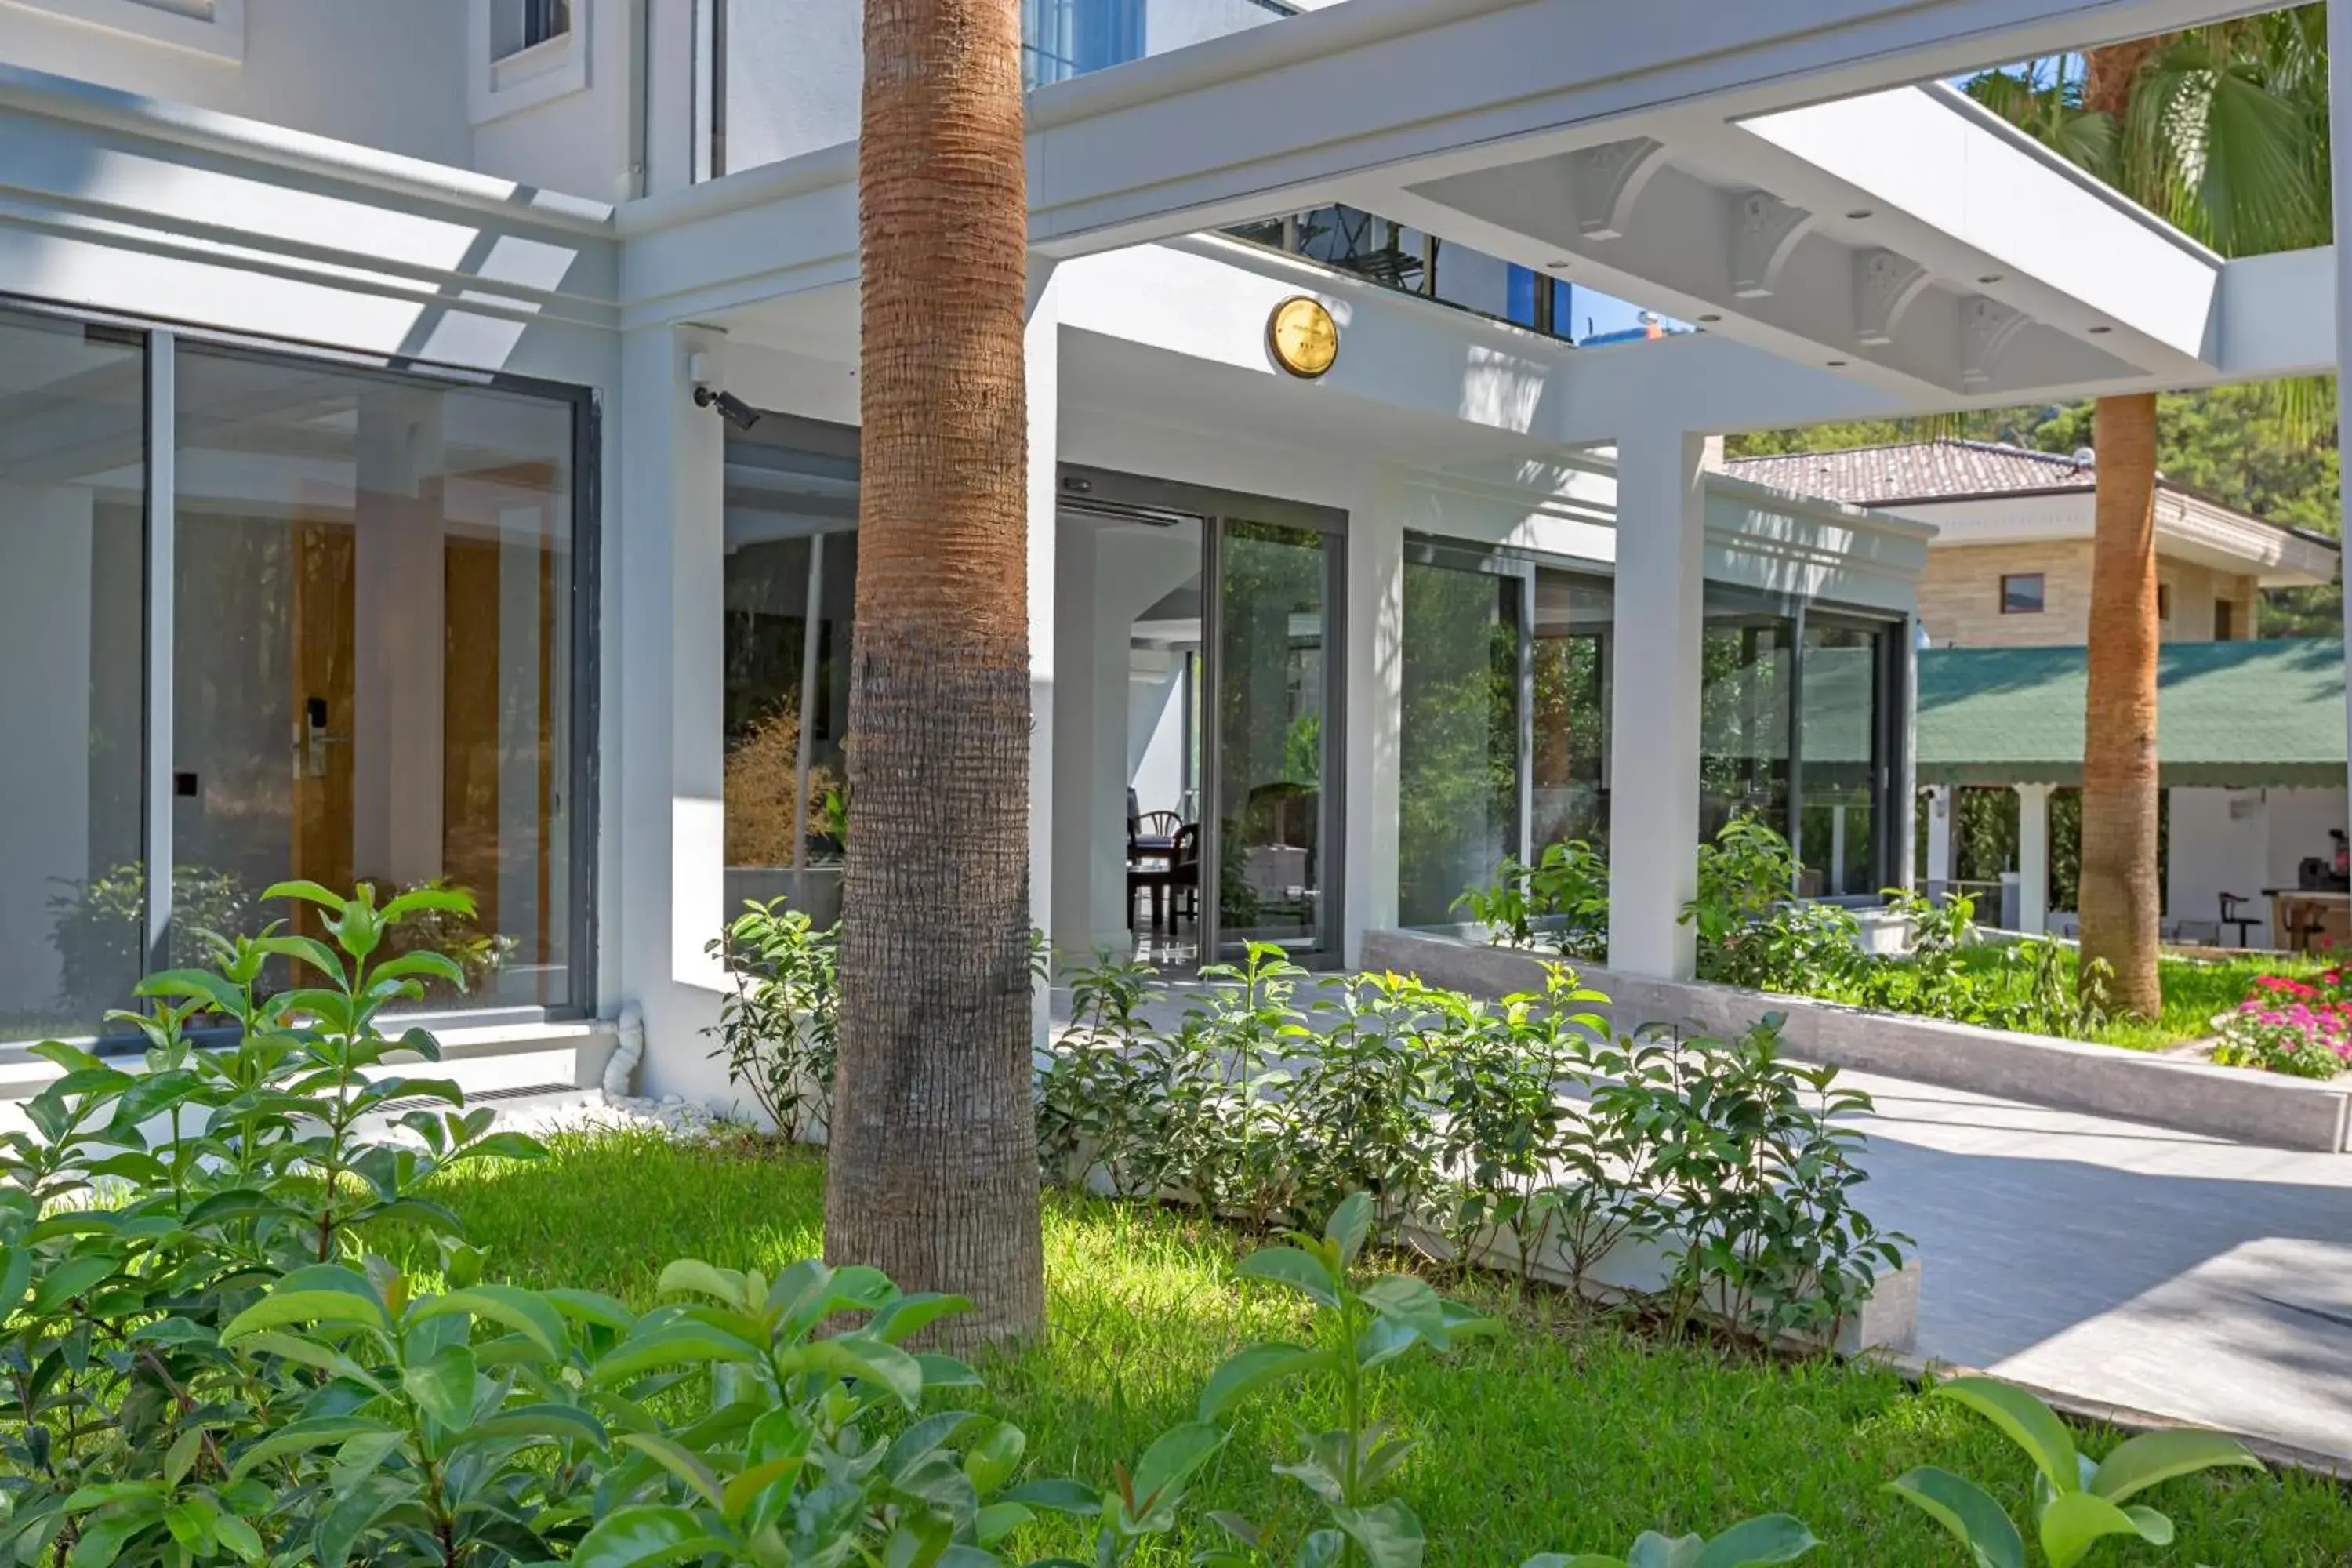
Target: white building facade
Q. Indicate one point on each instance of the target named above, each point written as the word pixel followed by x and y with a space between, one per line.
pixel 359 517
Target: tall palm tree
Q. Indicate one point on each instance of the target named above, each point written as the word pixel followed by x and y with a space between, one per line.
pixel 933 1169
pixel 2223 130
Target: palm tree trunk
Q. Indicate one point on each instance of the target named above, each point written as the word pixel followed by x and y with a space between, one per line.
pixel 2120 899
pixel 933 1169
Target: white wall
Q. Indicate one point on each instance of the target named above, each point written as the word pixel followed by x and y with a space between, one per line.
pixel 578 141
pixel 2243 842
pixel 385 75
pixel 1155 727
pixel 794 73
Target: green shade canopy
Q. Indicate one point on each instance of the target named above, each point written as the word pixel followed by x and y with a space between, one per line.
pixel 2230 714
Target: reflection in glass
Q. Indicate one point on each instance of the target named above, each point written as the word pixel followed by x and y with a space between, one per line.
pixel 1838 839
pixel 372 665
pixel 1458 761
pixel 791 586
pixel 1270 734
pixel 73 489
pixel 1574 615
pixel 1744 697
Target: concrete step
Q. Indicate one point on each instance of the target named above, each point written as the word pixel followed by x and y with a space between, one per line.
pixel 499 1059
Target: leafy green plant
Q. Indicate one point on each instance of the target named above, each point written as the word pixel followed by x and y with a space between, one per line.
pixel 1359 1328
pixel 2077 1502
pixel 142 1212
pixel 779 1027
pixel 1750 1543
pixel 1564 896
pixel 1099 1083
pixel 1752 1166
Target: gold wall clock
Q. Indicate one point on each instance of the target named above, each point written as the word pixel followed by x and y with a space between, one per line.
pixel 1302 336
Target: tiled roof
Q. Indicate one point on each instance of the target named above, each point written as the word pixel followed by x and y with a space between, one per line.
pixel 2233 714
pixel 1945 469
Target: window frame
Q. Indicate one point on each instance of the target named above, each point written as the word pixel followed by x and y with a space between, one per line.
pixel 162 341
pixel 2041 582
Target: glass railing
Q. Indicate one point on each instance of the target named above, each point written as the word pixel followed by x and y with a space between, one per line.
pixel 1410 261
pixel 1065 38
pixel 750 109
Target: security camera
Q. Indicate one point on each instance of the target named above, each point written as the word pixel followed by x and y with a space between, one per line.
pixel 732 408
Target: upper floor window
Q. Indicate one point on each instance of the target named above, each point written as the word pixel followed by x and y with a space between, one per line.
pixel 526 53
pixel 520 25
pixel 2020 594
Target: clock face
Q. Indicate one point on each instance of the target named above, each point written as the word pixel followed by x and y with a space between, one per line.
pixel 1303 336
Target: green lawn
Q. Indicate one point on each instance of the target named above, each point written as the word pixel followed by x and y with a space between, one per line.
pixel 2194 990
pixel 1558 1436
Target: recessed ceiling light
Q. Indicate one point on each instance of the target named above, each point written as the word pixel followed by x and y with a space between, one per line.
pixel 1712 316
pixel 1837 365
pixel 1861 212
pixel 2101 331
pixel 1994 277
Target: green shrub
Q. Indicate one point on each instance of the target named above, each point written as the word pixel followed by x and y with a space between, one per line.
pixel 1521 1130
pixel 779 1029
pixel 1564 897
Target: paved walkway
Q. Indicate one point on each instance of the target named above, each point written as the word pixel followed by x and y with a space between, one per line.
pixel 2120 1263
pixel 2124 1264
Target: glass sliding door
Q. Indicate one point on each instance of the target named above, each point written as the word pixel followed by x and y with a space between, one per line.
pixel 1745 709
pixel 372 655
pixel 791 587
pixel 1568 708
pixel 1843 756
pixel 1273 742
pixel 1460 806
pixel 73 493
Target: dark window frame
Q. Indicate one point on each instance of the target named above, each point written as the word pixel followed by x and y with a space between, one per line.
pixel 2014 604
pixel 587 576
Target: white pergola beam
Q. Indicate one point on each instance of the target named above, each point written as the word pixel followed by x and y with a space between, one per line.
pixel 1979 199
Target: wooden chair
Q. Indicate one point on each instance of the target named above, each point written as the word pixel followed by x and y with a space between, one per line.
pixel 1157 824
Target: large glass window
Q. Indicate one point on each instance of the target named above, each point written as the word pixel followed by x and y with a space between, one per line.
pixel 1745 692
pixel 73 490
pixel 791 586
pixel 1569 758
pixel 1458 746
pixel 372 657
pixel 1273 791
pixel 1841 751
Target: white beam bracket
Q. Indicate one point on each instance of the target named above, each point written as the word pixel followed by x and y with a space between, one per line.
pixel 1764 235
pixel 1607 181
pixel 1987 329
pixel 1886 286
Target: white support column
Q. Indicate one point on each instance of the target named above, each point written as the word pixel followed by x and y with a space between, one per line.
pixel 664 633
pixel 1940 841
pixel 1375 670
pixel 1040 354
pixel 2340 120
pixel 2034 858
pixel 1653 776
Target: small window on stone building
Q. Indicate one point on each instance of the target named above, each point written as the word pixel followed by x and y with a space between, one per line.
pixel 2020 594
pixel 2164 602
pixel 2225 620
